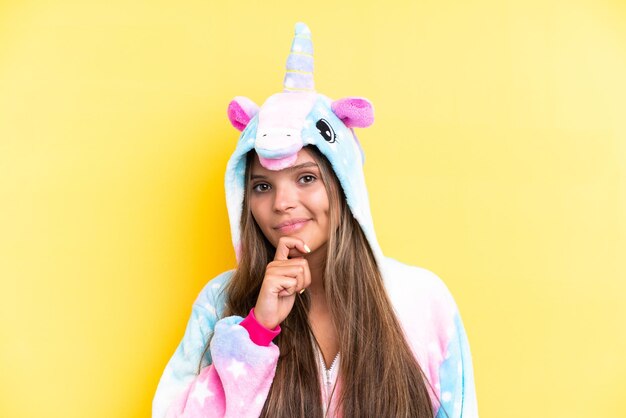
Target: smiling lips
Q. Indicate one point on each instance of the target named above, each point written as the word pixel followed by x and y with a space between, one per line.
pixel 292 225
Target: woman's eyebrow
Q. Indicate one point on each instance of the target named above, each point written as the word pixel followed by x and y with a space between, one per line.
pixel 295 167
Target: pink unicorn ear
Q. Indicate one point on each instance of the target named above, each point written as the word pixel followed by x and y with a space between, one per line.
pixel 240 111
pixel 355 112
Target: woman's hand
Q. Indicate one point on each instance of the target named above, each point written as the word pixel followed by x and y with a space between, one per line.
pixel 284 277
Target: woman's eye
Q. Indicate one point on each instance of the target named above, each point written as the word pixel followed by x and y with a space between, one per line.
pixel 256 187
pixel 309 177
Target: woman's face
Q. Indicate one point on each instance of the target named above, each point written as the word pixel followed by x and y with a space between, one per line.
pixel 294 193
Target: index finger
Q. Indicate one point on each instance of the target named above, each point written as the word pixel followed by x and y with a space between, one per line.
pixel 287 243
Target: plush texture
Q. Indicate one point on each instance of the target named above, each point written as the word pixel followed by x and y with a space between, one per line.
pixel 238 369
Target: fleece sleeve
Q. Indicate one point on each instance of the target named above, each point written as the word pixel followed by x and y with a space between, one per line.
pixel 456 375
pixel 234 384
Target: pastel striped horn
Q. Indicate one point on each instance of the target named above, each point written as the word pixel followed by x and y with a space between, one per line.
pixel 299 74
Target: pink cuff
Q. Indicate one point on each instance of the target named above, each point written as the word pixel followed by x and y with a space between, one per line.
pixel 258 333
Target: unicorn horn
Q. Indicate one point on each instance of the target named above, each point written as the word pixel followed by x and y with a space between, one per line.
pixel 299 74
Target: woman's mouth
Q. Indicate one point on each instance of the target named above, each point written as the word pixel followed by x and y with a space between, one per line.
pixel 293 227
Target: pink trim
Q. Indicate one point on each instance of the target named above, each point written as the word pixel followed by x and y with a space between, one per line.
pixel 278 164
pixel 258 333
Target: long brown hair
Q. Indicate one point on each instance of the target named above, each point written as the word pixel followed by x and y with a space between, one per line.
pixel 380 375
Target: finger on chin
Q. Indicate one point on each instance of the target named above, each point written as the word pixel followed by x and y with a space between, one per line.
pixel 294 253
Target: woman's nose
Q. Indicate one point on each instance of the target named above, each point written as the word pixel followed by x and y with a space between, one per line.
pixel 285 198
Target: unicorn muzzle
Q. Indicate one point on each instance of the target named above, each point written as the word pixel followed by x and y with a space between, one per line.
pixel 277 143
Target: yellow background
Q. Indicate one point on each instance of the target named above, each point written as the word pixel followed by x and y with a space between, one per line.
pixel 497 160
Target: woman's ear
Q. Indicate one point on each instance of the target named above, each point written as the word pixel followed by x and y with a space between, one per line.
pixel 355 112
pixel 240 111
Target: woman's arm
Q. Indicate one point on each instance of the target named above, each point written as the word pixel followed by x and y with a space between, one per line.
pixel 456 376
pixel 235 384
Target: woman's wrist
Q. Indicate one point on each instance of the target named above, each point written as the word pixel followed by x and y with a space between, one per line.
pixel 261 319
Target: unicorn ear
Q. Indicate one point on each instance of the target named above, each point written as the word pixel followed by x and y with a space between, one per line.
pixel 240 111
pixel 355 112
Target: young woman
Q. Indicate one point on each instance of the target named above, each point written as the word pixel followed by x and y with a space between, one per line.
pixel 314 321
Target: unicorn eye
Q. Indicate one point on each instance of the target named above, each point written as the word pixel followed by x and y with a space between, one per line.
pixel 326 130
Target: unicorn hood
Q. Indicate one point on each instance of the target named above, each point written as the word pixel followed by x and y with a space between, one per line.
pixel 296 117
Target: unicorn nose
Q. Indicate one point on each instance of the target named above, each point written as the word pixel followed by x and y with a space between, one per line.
pixel 277 142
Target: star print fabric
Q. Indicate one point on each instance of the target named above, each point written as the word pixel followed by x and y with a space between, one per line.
pixel 236 373
pixel 238 381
